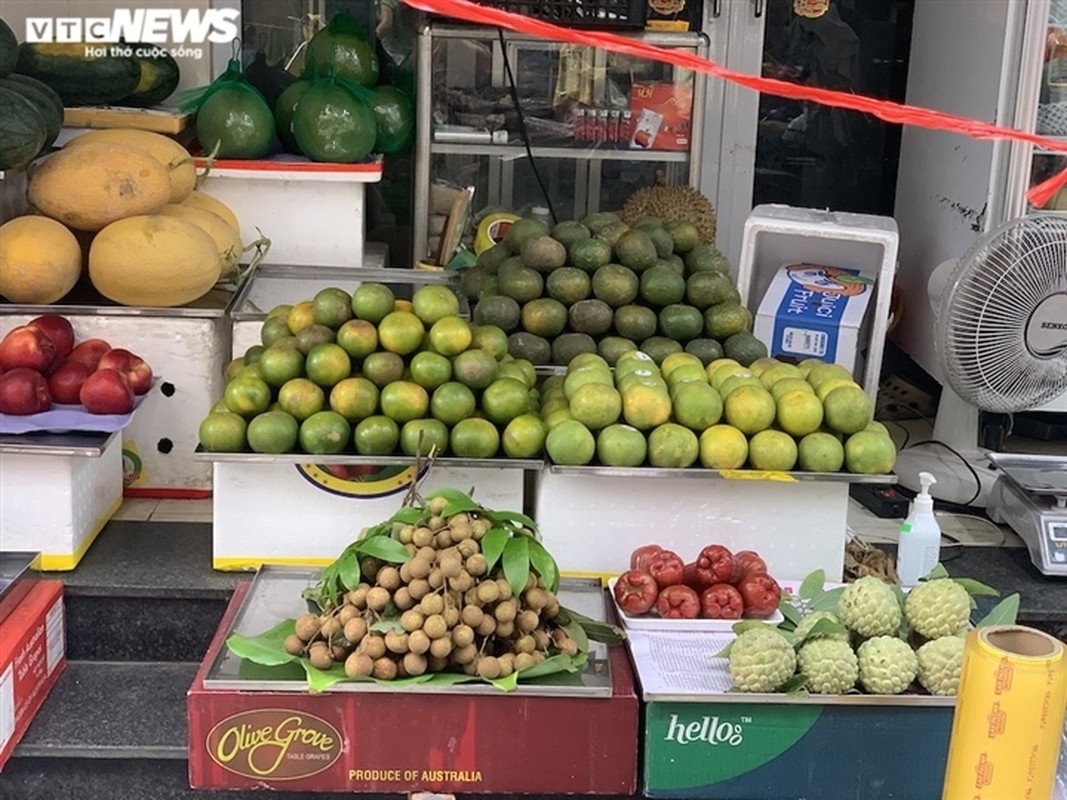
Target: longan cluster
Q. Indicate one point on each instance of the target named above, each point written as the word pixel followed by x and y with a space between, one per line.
pixel 453 612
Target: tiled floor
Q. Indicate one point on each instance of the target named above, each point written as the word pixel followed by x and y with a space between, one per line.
pixel 140 509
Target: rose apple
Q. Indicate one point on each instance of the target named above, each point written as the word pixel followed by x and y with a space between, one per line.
pixel 23 391
pixel 65 383
pixel 27 347
pixel 135 368
pixel 107 391
pixel 56 328
pixel 636 591
pixel 89 352
pixel 761 594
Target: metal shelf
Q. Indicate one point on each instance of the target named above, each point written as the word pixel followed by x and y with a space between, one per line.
pixel 81 444
pixel 518 151
pixel 354 459
pixel 702 473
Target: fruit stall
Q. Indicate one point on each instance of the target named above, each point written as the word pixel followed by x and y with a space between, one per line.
pixel 578 479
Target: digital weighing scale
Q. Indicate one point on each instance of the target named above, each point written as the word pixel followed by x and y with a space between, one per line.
pixel 1030 496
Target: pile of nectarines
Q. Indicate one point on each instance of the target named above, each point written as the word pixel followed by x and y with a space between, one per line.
pixel 40 364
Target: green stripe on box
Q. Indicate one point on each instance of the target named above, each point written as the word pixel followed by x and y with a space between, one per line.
pixel 693 744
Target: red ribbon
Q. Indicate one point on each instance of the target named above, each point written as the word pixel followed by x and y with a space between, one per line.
pixel 886 110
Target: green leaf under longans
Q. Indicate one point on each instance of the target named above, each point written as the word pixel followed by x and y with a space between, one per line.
pixel 977 588
pixel 544 565
pixel 385 549
pixel 827 601
pixel 322 680
pixel 348 570
pixel 516 562
pixel 408 515
pixel 266 648
pixel 386 625
pixel 493 544
pixel 561 662
pixel 520 520
pixel 603 632
pixel 507 684
pixel 575 630
pixel 812 585
pixel 1006 612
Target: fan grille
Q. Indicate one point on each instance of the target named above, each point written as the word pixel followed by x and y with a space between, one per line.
pixel 984 314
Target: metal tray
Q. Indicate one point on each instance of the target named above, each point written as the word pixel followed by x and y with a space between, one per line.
pixel 702 473
pixel 1037 474
pixel 82 444
pixel 16 579
pixel 355 459
pixel 275 595
pixel 271 284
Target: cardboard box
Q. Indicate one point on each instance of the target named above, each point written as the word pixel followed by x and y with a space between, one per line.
pixel 816 311
pixel 32 656
pixel 763 750
pixel 662 116
pixel 378 741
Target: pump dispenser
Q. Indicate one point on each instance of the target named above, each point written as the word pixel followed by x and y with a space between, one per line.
pixel 919 549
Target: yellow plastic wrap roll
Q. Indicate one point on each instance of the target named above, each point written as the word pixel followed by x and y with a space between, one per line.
pixel 1009 716
pixel 492 230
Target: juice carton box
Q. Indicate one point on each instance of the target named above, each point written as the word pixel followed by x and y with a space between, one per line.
pixel 816 311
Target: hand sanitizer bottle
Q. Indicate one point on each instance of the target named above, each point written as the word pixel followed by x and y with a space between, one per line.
pixel 919 549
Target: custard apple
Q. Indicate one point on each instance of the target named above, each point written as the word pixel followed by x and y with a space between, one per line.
pixel 887 665
pixel 761 660
pixel 808 622
pixel 870 608
pixel 937 608
pixel 940 664
pixel 829 665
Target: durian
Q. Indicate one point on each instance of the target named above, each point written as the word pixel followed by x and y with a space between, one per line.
pixel 669 204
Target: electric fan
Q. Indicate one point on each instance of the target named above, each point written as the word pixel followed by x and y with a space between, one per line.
pixel 1001 339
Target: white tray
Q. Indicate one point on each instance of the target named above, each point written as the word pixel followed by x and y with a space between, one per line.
pixel 653 622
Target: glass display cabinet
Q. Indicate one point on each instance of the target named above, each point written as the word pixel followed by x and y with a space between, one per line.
pixel 562 129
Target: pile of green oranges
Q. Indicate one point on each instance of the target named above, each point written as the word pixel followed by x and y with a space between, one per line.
pixel 367 373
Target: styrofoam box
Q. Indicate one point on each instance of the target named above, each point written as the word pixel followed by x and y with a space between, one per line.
pixel 312 213
pixel 56 503
pixel 776 235
pixel 285 513
pixel 591 523
pixel 275 284
pixel 188 349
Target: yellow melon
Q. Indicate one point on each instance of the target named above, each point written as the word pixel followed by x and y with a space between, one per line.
pixel 180 168
pixel 226 239
pixel 154 261
pixel 92 185
pixel 40 260
pixel 199 199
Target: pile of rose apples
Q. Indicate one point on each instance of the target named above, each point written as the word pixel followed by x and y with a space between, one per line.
pixel 41 364
pixel 718 584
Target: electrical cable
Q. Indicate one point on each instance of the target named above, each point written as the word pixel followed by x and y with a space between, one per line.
pixel 966 463
pixel 522 126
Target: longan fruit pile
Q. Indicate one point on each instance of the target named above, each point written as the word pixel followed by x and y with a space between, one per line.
pixel 453 612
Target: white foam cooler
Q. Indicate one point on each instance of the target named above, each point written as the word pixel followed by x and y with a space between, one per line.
pixel 778 235
pixel 188 349
pixel 312 213
pixel 591 518
pixel 57 493
pixel 287 510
